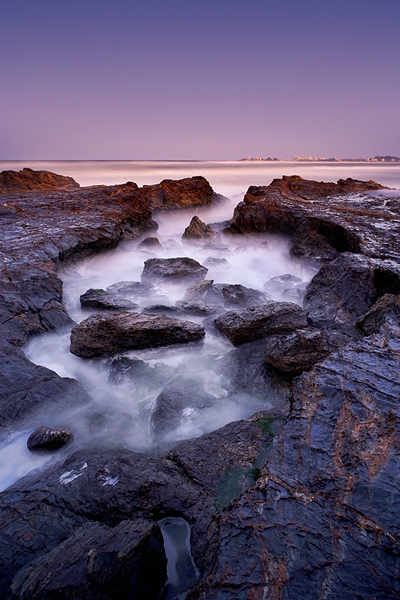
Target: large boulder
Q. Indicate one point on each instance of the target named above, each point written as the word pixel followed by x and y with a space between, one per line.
pixel 182 193
pixel 260 321
pixel 107 335
pixel 175 270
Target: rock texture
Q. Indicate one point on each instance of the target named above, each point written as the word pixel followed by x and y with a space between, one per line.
pixel 322 218
pixel 197 230
pixel 175 270
pixel 28 180
pixel 47 439
pixel 107 335
pixel 257 323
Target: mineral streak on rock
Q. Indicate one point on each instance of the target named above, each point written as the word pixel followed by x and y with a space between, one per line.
pixel 107 335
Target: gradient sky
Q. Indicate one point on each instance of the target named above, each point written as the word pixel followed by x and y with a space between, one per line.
pixel 213 79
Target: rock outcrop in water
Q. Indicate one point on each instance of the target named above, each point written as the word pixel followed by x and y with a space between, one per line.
pixel 298 503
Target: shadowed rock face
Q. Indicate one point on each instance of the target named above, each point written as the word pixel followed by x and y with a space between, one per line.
pixel 323 219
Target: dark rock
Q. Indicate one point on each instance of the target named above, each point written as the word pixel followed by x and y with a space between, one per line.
pixel 235 295
pixel 107 335
pixel 150 243
pixel 198 290
pixel 49 438
pixel 170 405
pixel 386 311
pixel 100 299
pixel 345 289
pixel 324 219
pixel 25 389
pixel 176 270
pixel 197 230
pixel 296 351
pixel 196 308
pixel 161 309
pixel 28 180
pixel 258 322
pixel 97 561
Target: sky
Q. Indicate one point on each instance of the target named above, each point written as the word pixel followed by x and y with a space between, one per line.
pixel 187 80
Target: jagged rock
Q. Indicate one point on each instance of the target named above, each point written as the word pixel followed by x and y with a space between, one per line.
pixel 182 193
pixel 278 285
pixel 344 290
pixel 135 290
pixel 181 269
pixel 323 219
pixel 49 438
pixel 107 335
pixel 197 230
pixel 258 322
pixel 100 299
pixel 28 180
pixel 126 561
pixel 219 263
pixel 196 307
pixel 386 311
pixel 170 405
pixel 150 243
pixel 296 351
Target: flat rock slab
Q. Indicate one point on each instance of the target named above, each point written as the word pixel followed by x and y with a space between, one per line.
pixel 258 322
pixel 181 269
pixel 107 335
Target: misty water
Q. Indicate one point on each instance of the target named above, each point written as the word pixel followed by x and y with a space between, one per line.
pixel 121 412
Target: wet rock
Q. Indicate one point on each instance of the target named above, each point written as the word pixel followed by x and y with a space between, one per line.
pixel 161 309
pixel 344 290
pixel 28 180
pixel 219 263
pixel 198 290
pixel 100 299
pixel 296 351
pixel 324 219
pixel 25 389
pixel 175 270
pixel 177 399
pixel 258 322
pixel 197 230
pixel 235 295
pixel 49 438
pixel 107 335
pixel 196 308
pixel 125 561
pixel 278 285
pixel 150 243
pixel 386 311
pixel 135 290
pixel 136 370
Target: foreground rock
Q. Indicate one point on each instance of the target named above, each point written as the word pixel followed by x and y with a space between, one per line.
pixel 110 496
pixel 323 219
pixel 47 439
pixel 107 335
pixel 175 270
pixel 258 322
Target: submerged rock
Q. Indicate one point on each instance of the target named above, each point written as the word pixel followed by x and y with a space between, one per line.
pixel 49 438
pixel 107 335
pixel 100 299
pixel 228 295
pixel 175 270
pixel 258 322
pixel 150 243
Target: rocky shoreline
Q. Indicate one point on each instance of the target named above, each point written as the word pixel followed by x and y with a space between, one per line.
pixel 300 502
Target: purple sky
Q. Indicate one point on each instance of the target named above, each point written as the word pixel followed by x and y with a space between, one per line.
pixel 213 79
